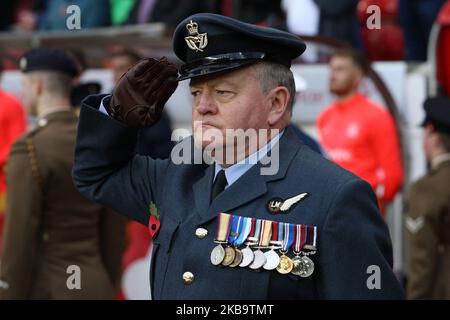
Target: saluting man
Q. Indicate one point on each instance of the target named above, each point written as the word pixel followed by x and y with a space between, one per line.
pixel 311 228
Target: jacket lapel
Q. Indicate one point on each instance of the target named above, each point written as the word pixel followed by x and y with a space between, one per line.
pixel 202 190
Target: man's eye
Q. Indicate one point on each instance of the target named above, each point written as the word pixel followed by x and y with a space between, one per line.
pixel 195 93
pixel 223 92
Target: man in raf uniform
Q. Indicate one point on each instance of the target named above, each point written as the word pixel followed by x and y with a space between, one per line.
pixel 311 228
pixel 428 220
pixel 58 244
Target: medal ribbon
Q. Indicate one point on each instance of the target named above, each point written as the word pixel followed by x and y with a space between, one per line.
pixel 289 231
pixel 274 232
pixel 266 233
pixel 257 231
pixel 312 236
pixel 315 237
pixel 281 232
pixel 223 227
pixel 300 237
pixel 235 229
pixel 304 233
pixel 252 229
pixel 251 235
pixel 246 227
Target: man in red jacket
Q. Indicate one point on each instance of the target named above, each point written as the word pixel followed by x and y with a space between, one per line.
pixel 358 134
pixel 12 124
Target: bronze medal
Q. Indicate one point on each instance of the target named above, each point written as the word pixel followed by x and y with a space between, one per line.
pixel 237 258
pixel 229 256
pixel 217 255
pixel 285 266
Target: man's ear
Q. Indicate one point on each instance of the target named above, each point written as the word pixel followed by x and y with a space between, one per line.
pixel 278 99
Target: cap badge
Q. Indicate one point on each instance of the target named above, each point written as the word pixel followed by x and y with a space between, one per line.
pixel 195 41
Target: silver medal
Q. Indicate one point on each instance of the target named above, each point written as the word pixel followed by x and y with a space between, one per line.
pixel 273 259
pixel 299 266
pixel 308 267
pixel 217 255
pixel 258 261
pixel 247 257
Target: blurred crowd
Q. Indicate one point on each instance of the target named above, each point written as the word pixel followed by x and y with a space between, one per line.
pixel 402 33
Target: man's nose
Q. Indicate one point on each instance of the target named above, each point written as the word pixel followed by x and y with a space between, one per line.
pixel 205 104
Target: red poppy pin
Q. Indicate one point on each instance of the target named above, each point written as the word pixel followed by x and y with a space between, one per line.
pixel 153 222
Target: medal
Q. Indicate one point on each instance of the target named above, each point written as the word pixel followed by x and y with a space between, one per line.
pixel 273 259
pixel 259 259
pixel 247 253
pixel 217 255
pixel 244 228
pixel 308 264
pixel 247 257
pixel 298 266
pixel 237 258
pixel 229 256
pixel 223 228
pixel 285 266
pixel 299 241
pixel 233 256
pixel 308 267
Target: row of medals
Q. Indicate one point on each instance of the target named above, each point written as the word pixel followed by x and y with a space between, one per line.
pixel 229 256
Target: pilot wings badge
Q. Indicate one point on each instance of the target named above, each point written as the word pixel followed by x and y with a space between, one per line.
pixel 195 41
pixel 278 205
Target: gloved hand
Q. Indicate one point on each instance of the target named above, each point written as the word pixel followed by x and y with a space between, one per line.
pixel 139 97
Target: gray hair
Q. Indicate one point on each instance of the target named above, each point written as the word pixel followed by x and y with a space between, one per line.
pixel 272 75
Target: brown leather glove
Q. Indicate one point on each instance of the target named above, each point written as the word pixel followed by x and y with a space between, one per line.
pixel 139 97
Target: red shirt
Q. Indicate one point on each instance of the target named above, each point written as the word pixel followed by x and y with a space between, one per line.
pixel 12 124
pixel 361 137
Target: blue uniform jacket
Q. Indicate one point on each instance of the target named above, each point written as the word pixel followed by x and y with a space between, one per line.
pixel 352 235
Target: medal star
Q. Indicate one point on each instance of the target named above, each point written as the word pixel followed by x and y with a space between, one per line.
pixel 288 203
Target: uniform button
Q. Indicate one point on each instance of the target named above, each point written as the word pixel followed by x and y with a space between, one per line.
pixel 42 122
pixel 201 233
pixel 188 277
